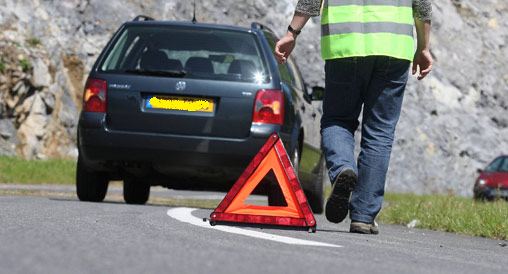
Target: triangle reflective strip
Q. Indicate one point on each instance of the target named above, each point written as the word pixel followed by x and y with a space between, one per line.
pixel 270 162
pixel 272 156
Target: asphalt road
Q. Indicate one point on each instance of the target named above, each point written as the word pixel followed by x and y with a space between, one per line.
pixel 155 191
pixel 48 235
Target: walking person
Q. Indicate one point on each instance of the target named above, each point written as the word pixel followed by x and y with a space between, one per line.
pixel 367 46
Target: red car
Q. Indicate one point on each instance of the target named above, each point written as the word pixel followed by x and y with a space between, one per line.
pixel 493 181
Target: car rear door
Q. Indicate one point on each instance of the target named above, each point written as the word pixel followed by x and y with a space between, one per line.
pixel 228 115
pixel 183 79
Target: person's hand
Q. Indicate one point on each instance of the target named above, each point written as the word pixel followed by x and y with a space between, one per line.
pixel 284 47
pixel 423 60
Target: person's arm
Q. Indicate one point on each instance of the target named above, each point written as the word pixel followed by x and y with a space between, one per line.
pixel 422 57
pixel 422 12
pixel 303 11
pixel 285 46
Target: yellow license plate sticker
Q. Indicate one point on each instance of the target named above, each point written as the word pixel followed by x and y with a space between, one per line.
pixel 181 103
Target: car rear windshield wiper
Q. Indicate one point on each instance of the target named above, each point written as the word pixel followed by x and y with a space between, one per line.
pixel 158 72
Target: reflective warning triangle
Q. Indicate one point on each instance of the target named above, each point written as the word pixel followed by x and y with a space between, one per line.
pixel 271 157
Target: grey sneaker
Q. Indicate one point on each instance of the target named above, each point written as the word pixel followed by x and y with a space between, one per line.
pixel 364 228
pixel 337 206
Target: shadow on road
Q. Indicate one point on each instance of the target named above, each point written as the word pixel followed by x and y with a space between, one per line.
pixel 106 202
pixel 331 230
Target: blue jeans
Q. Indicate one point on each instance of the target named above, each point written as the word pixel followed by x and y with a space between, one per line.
pixel 377 83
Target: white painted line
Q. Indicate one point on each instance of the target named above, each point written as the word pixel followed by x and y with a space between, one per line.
pixel 184 214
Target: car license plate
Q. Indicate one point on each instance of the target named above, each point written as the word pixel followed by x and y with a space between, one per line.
pixel 182 103
pixel 499 192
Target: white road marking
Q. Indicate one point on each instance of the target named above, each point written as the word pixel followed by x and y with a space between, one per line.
pixel 184 214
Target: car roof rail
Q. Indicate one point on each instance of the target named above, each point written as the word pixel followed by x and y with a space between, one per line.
pixel 257 25
pixel 144 17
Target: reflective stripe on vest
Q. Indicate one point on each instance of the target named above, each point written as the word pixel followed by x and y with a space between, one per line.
pixel 367 27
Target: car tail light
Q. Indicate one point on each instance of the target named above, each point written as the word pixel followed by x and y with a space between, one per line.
pixel 269 107
pixel 95 95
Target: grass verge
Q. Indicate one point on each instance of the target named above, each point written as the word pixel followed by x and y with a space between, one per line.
pixel 15 170
pixel 448 213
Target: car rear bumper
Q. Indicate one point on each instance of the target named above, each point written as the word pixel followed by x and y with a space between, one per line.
pixel 97 143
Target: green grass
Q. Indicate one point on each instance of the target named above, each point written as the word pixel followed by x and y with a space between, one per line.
pixel 311 157
pixel 448 213
pixel 25 64
pixel 33 42
pixel 15 170
pixel 2 67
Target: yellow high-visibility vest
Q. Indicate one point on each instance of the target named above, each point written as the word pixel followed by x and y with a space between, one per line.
pixel 367 27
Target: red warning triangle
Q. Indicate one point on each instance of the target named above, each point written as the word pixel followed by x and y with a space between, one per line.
pixel 271 157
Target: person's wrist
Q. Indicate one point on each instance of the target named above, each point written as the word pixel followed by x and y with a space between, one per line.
pixel 293 31
pixel 422 50
pixel 291 35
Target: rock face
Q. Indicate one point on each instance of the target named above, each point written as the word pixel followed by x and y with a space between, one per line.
pixel 452 123
pixel 455 121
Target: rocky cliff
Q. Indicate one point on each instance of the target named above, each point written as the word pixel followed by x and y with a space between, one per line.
pixel 452 123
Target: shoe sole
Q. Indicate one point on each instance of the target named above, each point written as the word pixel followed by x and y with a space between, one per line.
pixel 337 206
pixel 361 230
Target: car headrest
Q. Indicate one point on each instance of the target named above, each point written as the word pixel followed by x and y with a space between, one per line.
pixel 153 59
pixel 244 67
pixel 174 64
pixel 199 64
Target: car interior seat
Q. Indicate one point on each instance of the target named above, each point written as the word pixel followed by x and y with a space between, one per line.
pixel 174 64
pixel 199 65
pixel 244 67
pixel 154 59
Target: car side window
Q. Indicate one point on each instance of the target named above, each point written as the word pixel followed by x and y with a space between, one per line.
pixel 494 166
pixel 297 79
pixel 284 71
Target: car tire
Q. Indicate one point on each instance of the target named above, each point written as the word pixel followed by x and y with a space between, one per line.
pixel 296 160
pixel 275 196
pixel 316 196
pixel 135 191
pixel 90 186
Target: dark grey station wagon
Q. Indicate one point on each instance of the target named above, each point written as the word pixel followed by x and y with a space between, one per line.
pixel 187 106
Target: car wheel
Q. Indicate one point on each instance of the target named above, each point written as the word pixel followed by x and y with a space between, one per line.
pixel 478 197
pixel 316 196
pixel 296 160
pixel 90 186
pixel 275 196
pixel 135 191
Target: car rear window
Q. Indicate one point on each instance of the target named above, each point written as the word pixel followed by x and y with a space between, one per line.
pixel 188 52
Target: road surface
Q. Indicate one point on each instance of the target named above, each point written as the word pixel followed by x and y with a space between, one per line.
pixel 60 235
